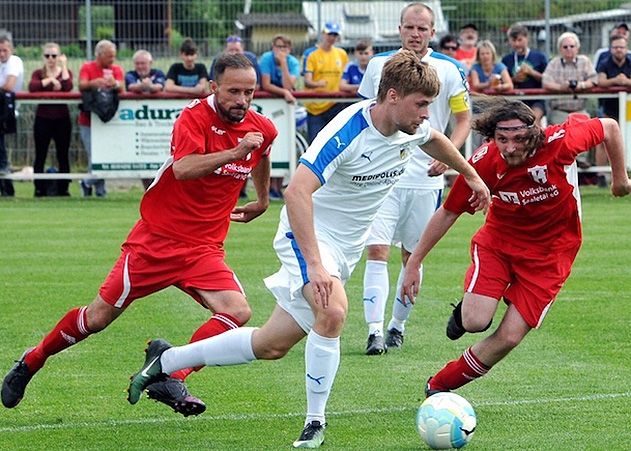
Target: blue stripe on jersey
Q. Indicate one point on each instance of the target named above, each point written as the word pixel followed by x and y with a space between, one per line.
pixel 338 143
pixel 439 199
pixel 301 260
pixel 441 56
pixel 313 169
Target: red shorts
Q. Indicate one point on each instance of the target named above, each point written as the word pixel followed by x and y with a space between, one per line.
pixel 149 263
pixel 528 278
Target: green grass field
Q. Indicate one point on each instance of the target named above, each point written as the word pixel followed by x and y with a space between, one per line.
pixel 565 388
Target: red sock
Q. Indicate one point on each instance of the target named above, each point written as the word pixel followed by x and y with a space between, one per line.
pixel 459 372
pixel 70 330
pixel 217 324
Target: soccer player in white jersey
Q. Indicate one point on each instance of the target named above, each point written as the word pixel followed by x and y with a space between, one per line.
pixel 340 183
pixel 409 206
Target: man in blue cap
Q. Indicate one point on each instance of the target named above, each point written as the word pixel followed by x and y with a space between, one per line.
pixel 323 69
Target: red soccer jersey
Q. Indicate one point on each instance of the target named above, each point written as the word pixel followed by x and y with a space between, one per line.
pixel 538 202
pixel 198 211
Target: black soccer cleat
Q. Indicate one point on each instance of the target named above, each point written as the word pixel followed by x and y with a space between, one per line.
pixel 394 338
pixel 376 345
pixel 455 330
pixel 15 383
pixel 429 391
pixel 173 393
pixel 150 372
pixel 312 436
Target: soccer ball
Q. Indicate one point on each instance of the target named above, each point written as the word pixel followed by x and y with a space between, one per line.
pixel 446 420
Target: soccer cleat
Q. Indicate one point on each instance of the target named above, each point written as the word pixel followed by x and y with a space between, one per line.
pixel 173 393
pixel 312 436
pixel 150 372
pixel 394 338
pixel 429 391
pixel 15 383
pixel 454 323
pixel 376 345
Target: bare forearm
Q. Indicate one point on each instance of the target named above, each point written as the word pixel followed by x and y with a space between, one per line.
pixel 440 148
pixel 195 166
pixel 461 129
pixel 436 228
pixel 260 178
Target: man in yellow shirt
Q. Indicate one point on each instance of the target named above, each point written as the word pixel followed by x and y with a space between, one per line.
pixel 324 66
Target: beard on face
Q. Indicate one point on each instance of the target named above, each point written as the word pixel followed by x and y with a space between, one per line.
pixel 234 114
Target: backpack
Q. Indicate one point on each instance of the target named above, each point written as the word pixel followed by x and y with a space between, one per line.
pixel 103 102
pixel 8 124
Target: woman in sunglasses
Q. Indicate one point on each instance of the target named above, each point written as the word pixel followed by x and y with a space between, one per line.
pixel 52 121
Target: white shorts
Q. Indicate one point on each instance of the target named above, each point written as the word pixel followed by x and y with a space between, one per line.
pixel 403 217
pixel 286 284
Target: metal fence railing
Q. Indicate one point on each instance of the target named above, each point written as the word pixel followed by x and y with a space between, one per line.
pixel 160 25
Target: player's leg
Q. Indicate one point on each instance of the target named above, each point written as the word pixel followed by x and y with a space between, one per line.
pixel 75 326
pixel 376 290
pixel 477 360
pixel 214 285
pixel 416 209
pixel 376 278
pixel 234 347
pixel 322 359
pixel 230 310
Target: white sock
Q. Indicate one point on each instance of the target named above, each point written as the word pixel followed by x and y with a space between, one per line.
pixel 376 288
pixel 400 311
pixel 233 347
pixel 322 358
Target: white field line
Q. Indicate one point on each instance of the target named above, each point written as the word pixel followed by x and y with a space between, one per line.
pixel 261 416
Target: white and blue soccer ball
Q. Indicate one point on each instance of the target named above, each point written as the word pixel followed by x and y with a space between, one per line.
pixel 446 420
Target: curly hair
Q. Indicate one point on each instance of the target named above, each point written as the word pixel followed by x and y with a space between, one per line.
pixel 491 110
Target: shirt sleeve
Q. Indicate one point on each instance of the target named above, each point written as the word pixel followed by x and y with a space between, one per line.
pixel 189 133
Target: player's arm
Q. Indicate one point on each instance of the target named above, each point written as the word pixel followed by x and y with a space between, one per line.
pixel 620 184
pixel 299 204
pixel 436 228
pixel 260 178
pixel 195 165
pixel 440 148
pixel 462 127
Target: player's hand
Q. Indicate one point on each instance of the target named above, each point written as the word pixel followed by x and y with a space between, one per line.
pixel 621 189
pixel 411 282
pixel 250 142
pixel 321 284
pixel 289 97
pixel 481 197
pixel 247 212
pixel 437 168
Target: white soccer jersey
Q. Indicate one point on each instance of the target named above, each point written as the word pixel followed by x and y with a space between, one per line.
pixel 357 167
pixel 452 83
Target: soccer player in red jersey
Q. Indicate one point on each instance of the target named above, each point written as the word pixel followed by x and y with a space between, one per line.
pixel 525 250
pixel 185 215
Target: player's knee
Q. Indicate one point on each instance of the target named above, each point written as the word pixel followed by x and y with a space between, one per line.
pixel 242 313
pixel 474 323
pixel 272 352
pixel 331 320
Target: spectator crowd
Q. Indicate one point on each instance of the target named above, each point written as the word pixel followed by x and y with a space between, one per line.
pixel 325 67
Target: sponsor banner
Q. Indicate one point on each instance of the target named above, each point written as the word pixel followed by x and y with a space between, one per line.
pixel 137 140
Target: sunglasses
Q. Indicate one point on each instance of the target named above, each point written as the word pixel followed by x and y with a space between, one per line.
pixel 450 47
pixel 50 55
pixel 568 47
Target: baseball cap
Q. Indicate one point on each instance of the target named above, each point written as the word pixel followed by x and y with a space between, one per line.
pixel 332 28
pixel 469 25
pixel 233 38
